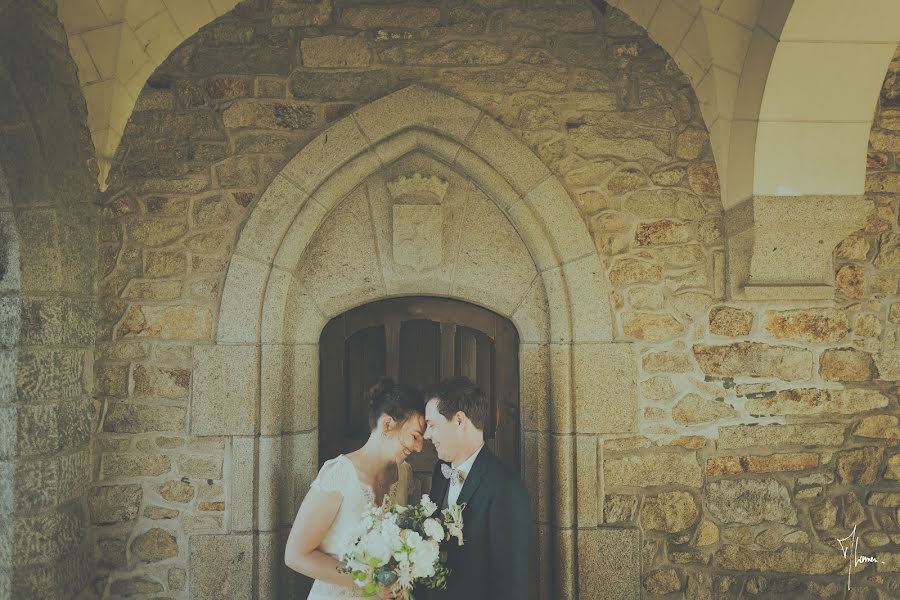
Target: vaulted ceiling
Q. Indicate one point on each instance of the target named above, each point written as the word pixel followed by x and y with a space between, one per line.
pixel 117 44
pixel 787 87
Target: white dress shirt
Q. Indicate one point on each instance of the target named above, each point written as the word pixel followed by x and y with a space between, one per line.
pixel 456 485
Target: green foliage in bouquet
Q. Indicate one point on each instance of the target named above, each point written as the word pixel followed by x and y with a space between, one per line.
pixel 399 548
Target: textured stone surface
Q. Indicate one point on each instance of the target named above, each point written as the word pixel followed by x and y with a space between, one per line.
pixel 733 465
pixel 276 115
pixel 609 560
pixel 694 409
pixel 134 465
pixel 177 491
pixel 177 578
pixel 111 380
pixel 707 533
pixel 115 503
pixel 878 426
pixel 142 418
pixel 628 271
pixel 787 560
pixel 154 545
pixel 661 582
pixel 658 388
pixel 659 468
pixel 650 326
pixel 111 552
pixel 823 325
pixel 892 468
pixel 200 467
pixel 847 365
pixel 158 513
pixel 605 399
pixel 730 321
pixel 754 359
pixel 208 554
pixel 816 401
pixel 376 17
pixel 859 467
pixel 661 232
pixel 335 51
pixel 851 281
pixel 165 382
pixel 131 586
pixel 667 362
pixel 225 390
pixel 417 236
pixel 750 502
pixel 172 322
pixel 618 508
pixel 670 512
pixel 888 365
pixel 811 434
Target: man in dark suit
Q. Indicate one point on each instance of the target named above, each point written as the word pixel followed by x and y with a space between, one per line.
pixel 494 561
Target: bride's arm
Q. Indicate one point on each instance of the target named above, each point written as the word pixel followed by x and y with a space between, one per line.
pixel 314 519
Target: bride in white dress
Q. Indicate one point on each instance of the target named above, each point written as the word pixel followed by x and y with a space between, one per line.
pixel 377 472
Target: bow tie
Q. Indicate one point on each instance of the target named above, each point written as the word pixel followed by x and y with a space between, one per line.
pixel 452 474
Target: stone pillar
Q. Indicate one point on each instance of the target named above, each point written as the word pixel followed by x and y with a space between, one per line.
pixel 48 254
pixel 780 247
pixel 562 472
pixel 606 402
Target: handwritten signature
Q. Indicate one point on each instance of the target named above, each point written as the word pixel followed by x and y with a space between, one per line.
pixel 853 544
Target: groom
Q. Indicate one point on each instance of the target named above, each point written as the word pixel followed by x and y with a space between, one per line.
pixel 494 562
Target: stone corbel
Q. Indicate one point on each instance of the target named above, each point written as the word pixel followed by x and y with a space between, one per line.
pixel 780 247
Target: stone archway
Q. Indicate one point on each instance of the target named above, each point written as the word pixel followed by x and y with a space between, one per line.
pixel 270 320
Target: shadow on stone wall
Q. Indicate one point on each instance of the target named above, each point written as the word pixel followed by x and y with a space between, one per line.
pixel 47 273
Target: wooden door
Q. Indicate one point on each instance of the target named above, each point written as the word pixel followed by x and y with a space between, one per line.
pixel 416 341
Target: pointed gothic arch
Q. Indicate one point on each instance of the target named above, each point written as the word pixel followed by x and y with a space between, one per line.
pixel 271 318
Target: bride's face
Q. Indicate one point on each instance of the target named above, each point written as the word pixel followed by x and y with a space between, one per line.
pixel 409 437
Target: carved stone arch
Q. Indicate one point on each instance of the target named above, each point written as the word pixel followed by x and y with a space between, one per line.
pixel 270 321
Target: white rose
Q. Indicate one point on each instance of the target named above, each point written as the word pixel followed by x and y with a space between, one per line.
pixel 423 559
pixel 390 531
pixel 412 538
pixel 427 505
pixel 433 529
pixel 376 546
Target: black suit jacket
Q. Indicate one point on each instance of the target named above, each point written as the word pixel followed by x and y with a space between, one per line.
pixel 494 561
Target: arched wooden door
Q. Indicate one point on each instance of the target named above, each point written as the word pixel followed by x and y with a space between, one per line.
pixel 417 341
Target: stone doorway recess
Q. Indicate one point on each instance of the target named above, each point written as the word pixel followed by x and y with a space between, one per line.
pixel 337 229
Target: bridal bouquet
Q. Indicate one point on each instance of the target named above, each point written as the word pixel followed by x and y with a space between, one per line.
pixel 399 546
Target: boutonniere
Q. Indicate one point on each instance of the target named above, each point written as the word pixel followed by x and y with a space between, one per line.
pixel 453 521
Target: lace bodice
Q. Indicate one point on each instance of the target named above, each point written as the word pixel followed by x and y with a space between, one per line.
pixel 339 475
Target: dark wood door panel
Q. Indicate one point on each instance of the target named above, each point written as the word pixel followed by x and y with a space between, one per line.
pixel 417 341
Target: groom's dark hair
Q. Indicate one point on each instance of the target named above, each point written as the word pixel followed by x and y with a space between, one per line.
pixel 460 394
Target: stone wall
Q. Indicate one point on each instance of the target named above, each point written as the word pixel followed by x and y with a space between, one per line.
pixel 47 276
pixel 750 432
pixel 780 425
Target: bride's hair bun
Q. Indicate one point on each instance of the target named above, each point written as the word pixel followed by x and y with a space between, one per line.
pixel 380 392
pixel 395 400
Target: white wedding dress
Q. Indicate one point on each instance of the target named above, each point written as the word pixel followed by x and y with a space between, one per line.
pixel 339 475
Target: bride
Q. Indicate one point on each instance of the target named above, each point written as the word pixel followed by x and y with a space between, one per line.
pixel 377 472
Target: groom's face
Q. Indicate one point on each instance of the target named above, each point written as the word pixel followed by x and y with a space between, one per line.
pixel 444 433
